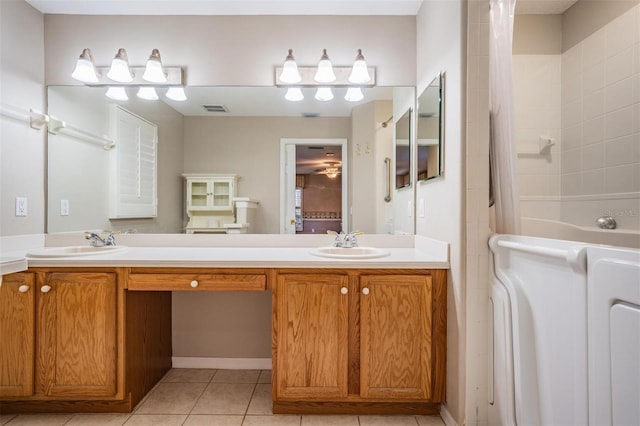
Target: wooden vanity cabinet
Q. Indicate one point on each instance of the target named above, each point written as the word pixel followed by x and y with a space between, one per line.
pixel 17 334
pixel 359 341
pixel 64 341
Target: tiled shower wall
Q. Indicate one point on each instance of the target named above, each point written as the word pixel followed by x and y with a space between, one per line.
pixel 587 100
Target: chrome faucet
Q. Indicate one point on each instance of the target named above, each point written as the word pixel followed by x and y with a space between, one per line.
pixel 606 222
pixel 347 240
pixel 96 240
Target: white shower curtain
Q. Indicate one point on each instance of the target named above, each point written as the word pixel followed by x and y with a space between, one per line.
pixel 502 155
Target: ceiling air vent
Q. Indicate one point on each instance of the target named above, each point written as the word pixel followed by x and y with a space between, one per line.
pixel 215 108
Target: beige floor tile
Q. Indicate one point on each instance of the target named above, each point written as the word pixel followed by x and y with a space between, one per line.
pixel 265 376
pixel 189 375
pixel 224 398
pixel 172 398
pixel 4 418
pixel 236 376
pixel 261 402
pixel 388 421
pixel 430 421
pixel 329 420
pixel 40 419
pixel 156 420
pixel 98 420
pixel 213 420
pixel 276 420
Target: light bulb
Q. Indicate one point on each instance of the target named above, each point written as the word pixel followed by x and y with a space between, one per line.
pixel 153 72
pixel 147 93
pixel 354 94
pixel 359 72
pixel 85 69
pixel 324 94
pixel 324 74
pixel 294 94
pixel 117 93
pixel 176 94
pixel 290 73
pixel 119 70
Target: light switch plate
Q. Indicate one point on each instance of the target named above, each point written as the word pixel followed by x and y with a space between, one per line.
pixel 421 207
pixel 21 206
pixel 64 207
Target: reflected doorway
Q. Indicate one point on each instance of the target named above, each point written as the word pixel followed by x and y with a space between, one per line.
pixel 313 184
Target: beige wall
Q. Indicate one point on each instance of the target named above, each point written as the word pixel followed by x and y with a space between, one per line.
pixel 22 149
pixel 587 16
pixel 444 219
pixel 537 34
pixel 250 148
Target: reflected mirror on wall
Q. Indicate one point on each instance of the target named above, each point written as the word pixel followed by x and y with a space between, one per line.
pixel 233 130
pixel 430 127
pixel 403 150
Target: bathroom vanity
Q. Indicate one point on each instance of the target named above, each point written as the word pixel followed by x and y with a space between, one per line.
pixel 93 333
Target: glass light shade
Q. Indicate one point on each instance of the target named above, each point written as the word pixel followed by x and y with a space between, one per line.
pixel 85 70
pixel 359 72
pixel 290 73
pixel 176 94
pixel 324 73
pixel 117 93
pixel 324 94
pixel 119 70
pixel 354 94
pixel 294 94
pixel 147 93
pixel 153 72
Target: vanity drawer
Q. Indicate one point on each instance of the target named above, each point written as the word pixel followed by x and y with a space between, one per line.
pixel 197 282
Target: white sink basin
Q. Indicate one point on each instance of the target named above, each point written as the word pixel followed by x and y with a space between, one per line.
pixel 72 251
pixel 350 253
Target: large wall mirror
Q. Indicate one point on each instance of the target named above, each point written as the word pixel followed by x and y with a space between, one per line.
pixel 234 130
pixel 403 150
pixel 430 128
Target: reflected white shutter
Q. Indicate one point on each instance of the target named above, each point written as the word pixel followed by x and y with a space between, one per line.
pixel 134 166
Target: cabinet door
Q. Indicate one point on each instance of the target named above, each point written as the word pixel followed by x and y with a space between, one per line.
pixel 198 194
pixel 16 334
pixel 76 339
pixel 222 193
pixel 311 333
pixel 395 345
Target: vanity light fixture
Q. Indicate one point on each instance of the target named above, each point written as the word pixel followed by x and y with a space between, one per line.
pixel 294 94
pixel 324 73
pixel 324 94
pixel 119 70
pixel 359 71
pixel 85 70
pixel 290 73
pixel 324 77
pixel 176 94
pixel 147 93
pixel 153 72
pixel 117 93
pixel 354 94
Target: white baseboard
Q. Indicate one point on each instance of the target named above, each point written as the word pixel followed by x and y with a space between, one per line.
pixel 222 363
pixel 446 416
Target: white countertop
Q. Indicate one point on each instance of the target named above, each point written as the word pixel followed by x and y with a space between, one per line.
pixel 260 251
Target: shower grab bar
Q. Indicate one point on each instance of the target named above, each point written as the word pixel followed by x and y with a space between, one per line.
pixel 387 164
pixel 575 257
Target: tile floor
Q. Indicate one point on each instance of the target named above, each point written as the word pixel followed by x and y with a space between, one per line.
pixel 203 397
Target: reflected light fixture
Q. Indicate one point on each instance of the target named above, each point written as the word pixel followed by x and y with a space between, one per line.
pixel 147 93
pixel 324 94
pixel 85 70
pixel 290 73
pixel 154 72
pixel 117 93
pixel 331 172
pixel 119 70
pixel 354 94
pixel 325 73
pixel 359 72
pixel 176 94
pixel 294 94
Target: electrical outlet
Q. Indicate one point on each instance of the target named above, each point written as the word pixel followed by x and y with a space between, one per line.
pixel 21 206
pixel 64 207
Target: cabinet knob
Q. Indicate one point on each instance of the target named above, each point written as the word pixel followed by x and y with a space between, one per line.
pixel 45 288
pixel 194 283
pixel 23 288
pixel 344 290
pixel 365 291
